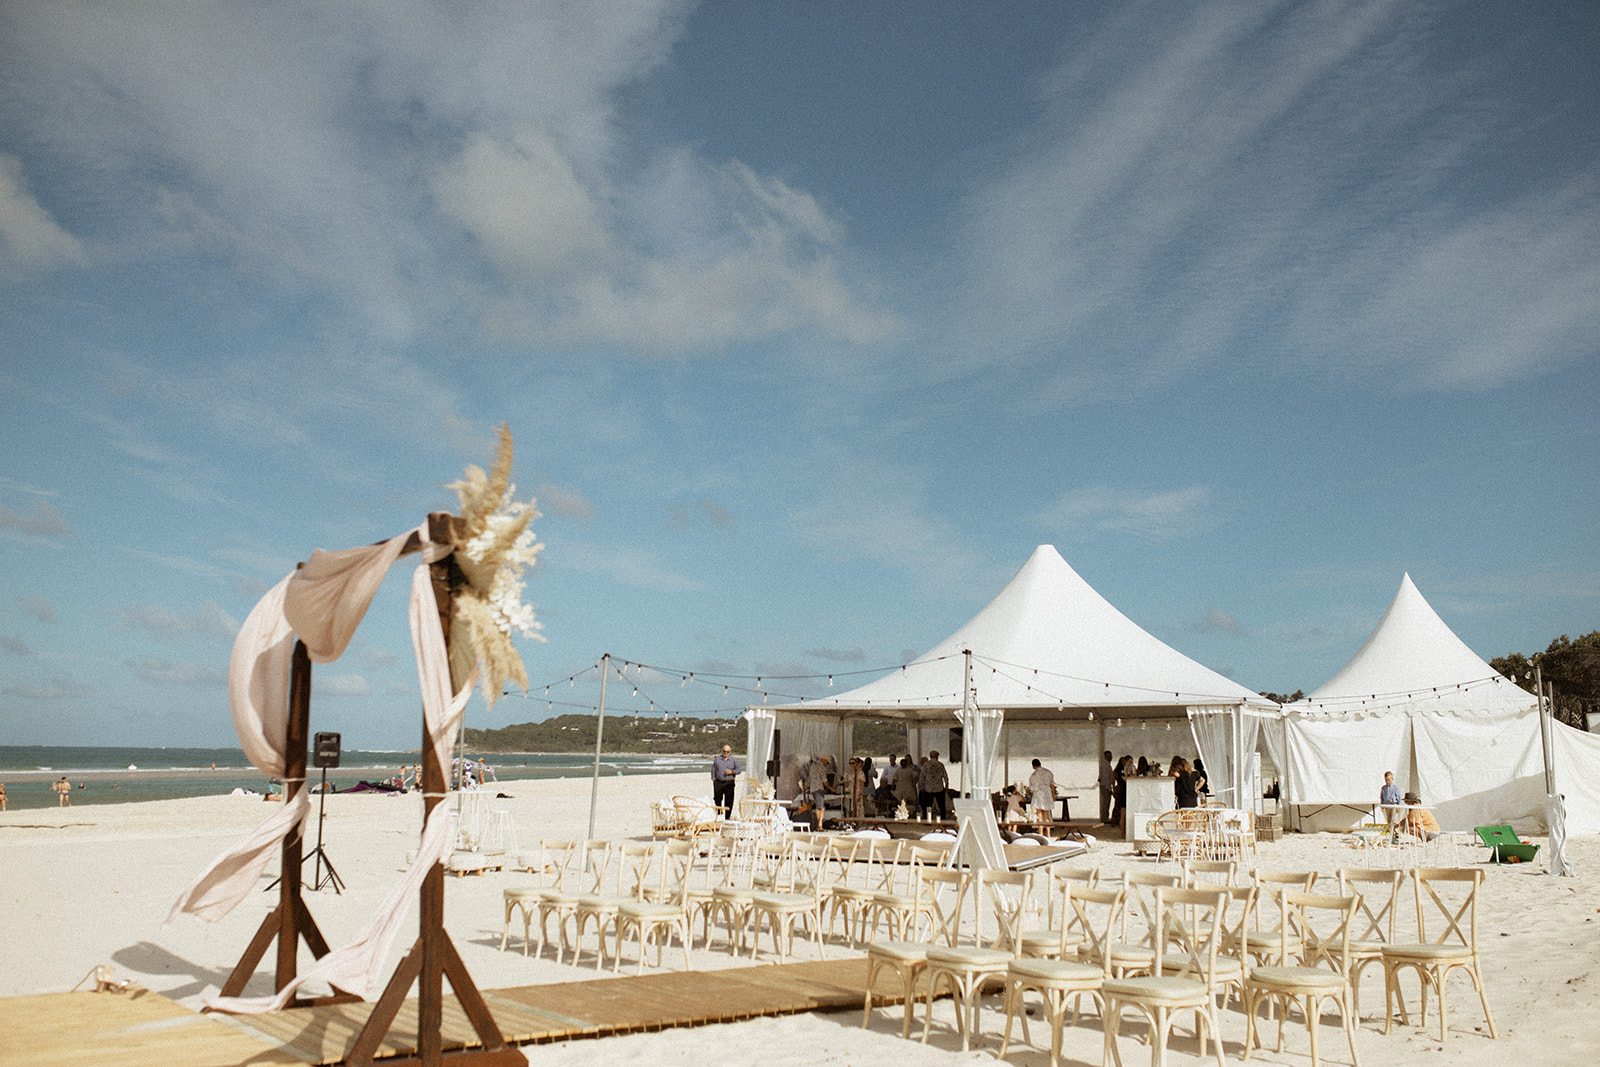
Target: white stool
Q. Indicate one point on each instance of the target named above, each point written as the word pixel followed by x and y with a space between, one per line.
pixel 500 832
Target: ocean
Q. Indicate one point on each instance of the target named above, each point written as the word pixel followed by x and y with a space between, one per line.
pixel 122 775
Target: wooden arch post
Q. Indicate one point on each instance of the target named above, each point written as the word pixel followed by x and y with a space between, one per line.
pixel 291 920
pixel 433 957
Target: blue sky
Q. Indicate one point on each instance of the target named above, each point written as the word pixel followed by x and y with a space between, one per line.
pixel 811 320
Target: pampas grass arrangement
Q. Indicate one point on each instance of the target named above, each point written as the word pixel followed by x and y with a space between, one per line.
pixel 492 547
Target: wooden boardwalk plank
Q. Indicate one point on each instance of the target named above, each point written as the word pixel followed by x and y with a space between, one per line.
pixel 132 1029
pixel 144 1028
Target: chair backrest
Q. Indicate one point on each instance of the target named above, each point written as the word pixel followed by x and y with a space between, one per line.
pixel 1189 927
pixel 593 861
pixel 1453 891
pixel 882 863
pixel 808 867
pixel 1007 893
pixel 1321 923
pixel 1097 916
pixel 631 869
pixel 944 894
pixel 1061 878
pixel 840 854
pixel 674 869
pixel 1238 911
pixel 556 861
pixel 1271 886
pixel 1218 872
pixel 1141 907
pixel 1377 893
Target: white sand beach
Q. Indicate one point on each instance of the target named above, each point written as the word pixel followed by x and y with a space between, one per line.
pixel 86 886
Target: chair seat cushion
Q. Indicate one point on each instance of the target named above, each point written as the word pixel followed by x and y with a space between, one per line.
pixel 1427 952
pixel 1033 942
pixel 1170 991
pixel 939 955
pixel 521 895
pixel 783 901
pixel 900 951
pixel 645 910
pixel 1300 979
pixel 1367 948
pixel 1054 970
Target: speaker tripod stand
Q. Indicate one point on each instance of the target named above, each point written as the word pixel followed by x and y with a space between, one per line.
pixel 331 876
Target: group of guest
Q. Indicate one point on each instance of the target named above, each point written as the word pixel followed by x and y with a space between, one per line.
pixel 923 787
pixel 1189 785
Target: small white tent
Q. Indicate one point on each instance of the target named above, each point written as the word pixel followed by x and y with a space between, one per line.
pixel 1415 700
pixel 1049 649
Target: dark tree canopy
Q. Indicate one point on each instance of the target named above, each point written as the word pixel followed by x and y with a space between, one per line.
pixel 1571 668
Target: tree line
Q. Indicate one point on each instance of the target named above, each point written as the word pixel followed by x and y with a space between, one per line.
pixel 1571 668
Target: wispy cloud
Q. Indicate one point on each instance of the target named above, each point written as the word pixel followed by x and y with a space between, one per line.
pixel 625 564
pixel 1219 621
pixel 838 655
pixel 343 685
pixel 1289 181
pixel 29 238
pixel 1149 517
pixel 12 645
pixel 41 519
pixel 38 607
pixel 565 501
pixel 415 162
pixel 59 687
pixel 207 620
pixel 187 673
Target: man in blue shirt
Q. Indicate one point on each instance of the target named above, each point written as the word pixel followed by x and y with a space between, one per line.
pixel 724 773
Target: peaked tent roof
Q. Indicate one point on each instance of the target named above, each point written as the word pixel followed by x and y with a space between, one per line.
pixel 1046 647
pixel 1412 661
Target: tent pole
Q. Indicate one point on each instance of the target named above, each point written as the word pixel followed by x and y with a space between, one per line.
pixel 599 731
pixel 1544 731
pixel 966 717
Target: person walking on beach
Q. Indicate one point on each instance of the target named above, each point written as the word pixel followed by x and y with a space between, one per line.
pixel 934 783
pixel 1108 785
pixel 724 773
pixel 1042 787
pixel 63 790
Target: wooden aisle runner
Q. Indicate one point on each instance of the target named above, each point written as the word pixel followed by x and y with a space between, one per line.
pixel 141 1027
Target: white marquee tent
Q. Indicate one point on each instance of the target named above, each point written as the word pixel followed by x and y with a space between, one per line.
pixel 1046 650
pixel 1416 700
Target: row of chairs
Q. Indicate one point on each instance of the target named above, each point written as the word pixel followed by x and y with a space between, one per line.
pixel 1166 944
pixel 733 885
pixel 1209 833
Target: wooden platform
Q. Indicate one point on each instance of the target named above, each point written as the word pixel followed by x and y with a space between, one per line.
pixel 141 1027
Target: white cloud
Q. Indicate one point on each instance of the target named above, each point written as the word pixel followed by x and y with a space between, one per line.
pixel 384 155
pixel 208 620
pixel 39 608
pixel 13 645
pixel 187 673
pixel 1219 621
pixel 41 520
pixel 623 564
pixel 29 238
pixel 1293 182
pixel 566 502
pixel 1150 517
pixel 342 685
pixel 59 687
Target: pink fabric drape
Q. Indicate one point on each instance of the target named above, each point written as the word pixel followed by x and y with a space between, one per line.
pixel 322 603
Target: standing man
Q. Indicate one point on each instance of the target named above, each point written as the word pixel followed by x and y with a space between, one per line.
pixel 63 790
pixel 934 783
pixel 1108 785
pixel 1042 786
pixel 724 773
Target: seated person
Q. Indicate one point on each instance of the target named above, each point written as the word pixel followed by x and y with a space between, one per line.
pixel 1419 821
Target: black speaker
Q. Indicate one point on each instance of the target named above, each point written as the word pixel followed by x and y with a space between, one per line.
pixel 956 743
pixel 777 754
pixel 325 750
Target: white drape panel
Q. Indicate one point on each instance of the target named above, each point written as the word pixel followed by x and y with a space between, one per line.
pixel 1341 761
pixel 1481 770
pixel 761 723
pixel 1556 817
pixel 1249 730
pixel 1273 735
pixel 980 748
pixel 1577 758
pixel 1212 728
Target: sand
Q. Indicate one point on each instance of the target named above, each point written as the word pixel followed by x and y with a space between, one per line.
pixel 92 885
